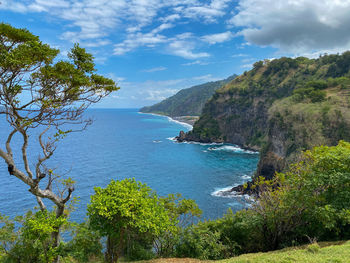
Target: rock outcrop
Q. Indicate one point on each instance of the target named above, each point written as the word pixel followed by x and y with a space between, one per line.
pixel 280 108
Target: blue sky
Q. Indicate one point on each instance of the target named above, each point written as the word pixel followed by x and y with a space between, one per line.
pixel 153 48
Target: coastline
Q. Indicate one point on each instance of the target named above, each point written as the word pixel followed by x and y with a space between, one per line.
pixel 186 121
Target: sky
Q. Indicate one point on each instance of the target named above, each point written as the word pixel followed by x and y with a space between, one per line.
pixel 154 48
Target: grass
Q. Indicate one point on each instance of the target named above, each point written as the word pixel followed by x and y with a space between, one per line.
pixel 310 254
pixel 326 252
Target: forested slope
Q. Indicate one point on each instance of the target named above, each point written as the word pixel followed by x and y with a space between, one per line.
pixel 281 107
pixel 187 101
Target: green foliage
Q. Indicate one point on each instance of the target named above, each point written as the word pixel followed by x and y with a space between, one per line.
pixel 329 252
pixel 242 107
pixel 85 243
pixel 311 93
pixel 312 199
pixel 182 213
pixel 188 101
pixel 126 206
pixel 317 84
pixel 206 129
pixel 309 202
pixel 31 242
pixel 313 248
pixel 200 241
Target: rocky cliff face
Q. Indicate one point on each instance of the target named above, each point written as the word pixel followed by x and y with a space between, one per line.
pixel 280 107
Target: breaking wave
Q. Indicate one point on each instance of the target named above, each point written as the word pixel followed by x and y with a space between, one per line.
pixel 231 148
pixel 225 192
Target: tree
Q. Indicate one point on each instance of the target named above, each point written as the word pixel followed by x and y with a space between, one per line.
pixel 182 212
pixel 43 94
pixel 28 238
pixel 125 207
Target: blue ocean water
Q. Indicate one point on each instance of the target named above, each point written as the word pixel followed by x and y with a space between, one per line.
pixel 123 143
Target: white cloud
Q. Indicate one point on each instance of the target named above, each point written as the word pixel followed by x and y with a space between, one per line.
pixel 185 49
pixel 207 12
pixel 138 40
pixel 206 78
pixel 170 18
pixel 96 22
pixel 197 62
pixel 154 69
pixel 239 55
pixel 297 26
pixel 218 38
pixel 247 66
pixel 182 45
pixel 158 95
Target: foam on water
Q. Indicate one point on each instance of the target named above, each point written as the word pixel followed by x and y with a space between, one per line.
pixel 231 148
pixel 246 177
pixel 188 126
pixel 225 192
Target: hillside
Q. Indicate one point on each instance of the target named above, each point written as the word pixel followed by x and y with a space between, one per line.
pixel 324 252
pixel 187 101
pixel 280 107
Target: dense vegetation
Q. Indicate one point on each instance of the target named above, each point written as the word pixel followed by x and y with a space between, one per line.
pixel 281 107
pixel 187 102
pixel 310 202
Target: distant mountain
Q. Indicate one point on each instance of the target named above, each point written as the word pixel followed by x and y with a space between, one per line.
pixel 187 101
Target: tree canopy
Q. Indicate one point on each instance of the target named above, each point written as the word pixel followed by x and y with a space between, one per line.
pixel 41 90
pixel 126 206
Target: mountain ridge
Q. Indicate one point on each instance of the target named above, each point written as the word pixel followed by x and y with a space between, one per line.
pixel 280 107
pixel 187 102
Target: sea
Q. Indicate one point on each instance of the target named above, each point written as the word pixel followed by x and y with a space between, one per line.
pixel 124 143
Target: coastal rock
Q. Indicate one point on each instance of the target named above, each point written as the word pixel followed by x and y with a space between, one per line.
pixel 181 137
pixel 260 110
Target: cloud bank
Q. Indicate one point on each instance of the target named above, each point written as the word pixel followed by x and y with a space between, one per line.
pixel 295 26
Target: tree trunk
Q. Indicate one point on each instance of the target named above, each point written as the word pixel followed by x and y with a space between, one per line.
pixel 55 236
pixel 111 256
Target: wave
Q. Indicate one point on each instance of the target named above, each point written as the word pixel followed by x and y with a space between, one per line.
pixel 202 143
pixel 173 139
pixel 157 141
pixel 226 192
pixel 230 148
pixel 246 177
pixel 188 126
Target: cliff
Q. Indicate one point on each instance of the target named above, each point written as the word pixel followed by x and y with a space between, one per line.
pixel 187 101
pixel 280 107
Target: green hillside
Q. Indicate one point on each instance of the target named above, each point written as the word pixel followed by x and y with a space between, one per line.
pixel 281 107
pixel 325 252
pixel 187 101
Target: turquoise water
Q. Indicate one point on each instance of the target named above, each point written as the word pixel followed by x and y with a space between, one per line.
pixel 123 143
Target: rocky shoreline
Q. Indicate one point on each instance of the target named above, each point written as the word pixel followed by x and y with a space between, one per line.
pixel 246 189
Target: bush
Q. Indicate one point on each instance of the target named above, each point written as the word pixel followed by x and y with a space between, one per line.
pixel 125 207
pixel 317 96
pixel 85 243
pixel 31 241
pixel 200 241
pixel 313 248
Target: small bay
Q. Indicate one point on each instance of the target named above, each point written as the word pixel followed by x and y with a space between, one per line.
pixel 123 143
